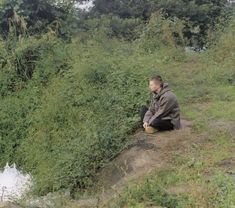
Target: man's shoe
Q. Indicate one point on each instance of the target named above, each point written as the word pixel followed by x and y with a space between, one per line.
pixel 150 130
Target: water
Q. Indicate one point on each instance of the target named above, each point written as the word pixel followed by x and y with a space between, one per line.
pixel 13 183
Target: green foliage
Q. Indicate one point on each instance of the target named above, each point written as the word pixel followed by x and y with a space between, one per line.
pixel 124 9
pixel 20 92
pixel 15 122
pixel 153 192
pixel 162 32
pixel 76 118
pixel 19 61
pixel 223 49
pixel 35 17
pixel 113 26
pixel 199 17
pixel 9 81
pixel 223 191
pixel 67 108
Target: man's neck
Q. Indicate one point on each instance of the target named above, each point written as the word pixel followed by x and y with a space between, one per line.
pixel 159 90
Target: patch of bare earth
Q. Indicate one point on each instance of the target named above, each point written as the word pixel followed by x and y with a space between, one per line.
pixel 148 153
pixel 228 165
pixel 229 126
pixel 145 154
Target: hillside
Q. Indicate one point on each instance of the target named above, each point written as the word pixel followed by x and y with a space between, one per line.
pixel 71 85
pixel 190 168
pixel 195 168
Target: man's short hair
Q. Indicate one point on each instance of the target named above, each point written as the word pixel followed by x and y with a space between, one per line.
pixel 157 78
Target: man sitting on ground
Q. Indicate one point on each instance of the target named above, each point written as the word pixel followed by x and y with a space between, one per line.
pixel 163 113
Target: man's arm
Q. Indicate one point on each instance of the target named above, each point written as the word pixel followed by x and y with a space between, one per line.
pixel 166 105
pixel 149 113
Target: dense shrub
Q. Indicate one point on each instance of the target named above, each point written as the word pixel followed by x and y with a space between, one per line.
pixel 35 17
pixel 67 108
pixel 91 111
pixel 28 58
pixel 21 82
pixel 114 26
pixel 200 17
pixel 162 32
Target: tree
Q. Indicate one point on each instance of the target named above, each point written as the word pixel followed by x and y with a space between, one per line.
pixel 122 8
pixel 200 16
pixel 33 16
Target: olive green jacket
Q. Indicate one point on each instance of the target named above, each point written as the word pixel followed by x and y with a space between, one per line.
pixel 164 105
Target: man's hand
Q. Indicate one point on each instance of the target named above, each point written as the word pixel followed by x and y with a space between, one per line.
pixel 145 125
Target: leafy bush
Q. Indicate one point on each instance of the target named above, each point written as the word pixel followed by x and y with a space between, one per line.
pixel 68 108
pixel 77 117
pixel 27 58
pixel 162 32
pixel 114 26
pixel 35 17
pixel 9 81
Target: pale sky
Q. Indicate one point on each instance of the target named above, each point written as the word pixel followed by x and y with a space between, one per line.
pixel 85 6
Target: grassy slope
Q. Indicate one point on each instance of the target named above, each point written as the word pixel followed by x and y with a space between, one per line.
pixel 202 175
pixel 81 119
pixel 104 88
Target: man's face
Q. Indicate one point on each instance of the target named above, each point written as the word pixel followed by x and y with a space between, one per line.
pixel 154 86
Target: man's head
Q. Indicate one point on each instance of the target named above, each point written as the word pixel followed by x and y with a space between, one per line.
pixel 155 83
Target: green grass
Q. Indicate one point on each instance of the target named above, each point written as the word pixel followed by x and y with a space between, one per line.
pixel 206 90
pixel 76 112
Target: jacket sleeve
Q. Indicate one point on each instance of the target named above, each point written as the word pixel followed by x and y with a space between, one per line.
pixel 166 105
pixel 149 113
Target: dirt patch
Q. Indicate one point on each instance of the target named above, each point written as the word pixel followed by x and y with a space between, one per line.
pixel 145 154
pixel 185 188
pixel 228 163
pixel 224 125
